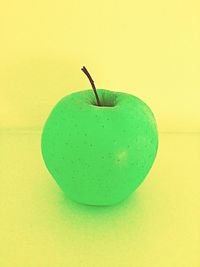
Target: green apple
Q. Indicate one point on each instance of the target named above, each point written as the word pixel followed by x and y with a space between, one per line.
pixel 99 147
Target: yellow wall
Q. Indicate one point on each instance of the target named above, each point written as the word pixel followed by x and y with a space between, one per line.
pixel 147 48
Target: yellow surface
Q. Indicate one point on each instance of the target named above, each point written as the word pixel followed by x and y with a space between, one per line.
pixel 157 226
pixel 148 48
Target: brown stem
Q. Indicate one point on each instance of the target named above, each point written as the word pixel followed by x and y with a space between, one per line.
pixel 92 83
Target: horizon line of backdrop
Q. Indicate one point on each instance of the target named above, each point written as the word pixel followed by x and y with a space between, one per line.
pixel 146 48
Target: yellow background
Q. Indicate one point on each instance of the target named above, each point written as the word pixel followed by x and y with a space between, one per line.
pixel 147 48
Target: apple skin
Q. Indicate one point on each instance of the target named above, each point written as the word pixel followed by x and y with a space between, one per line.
pixel 99 155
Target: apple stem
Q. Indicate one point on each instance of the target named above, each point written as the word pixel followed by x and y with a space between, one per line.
pixel 92 83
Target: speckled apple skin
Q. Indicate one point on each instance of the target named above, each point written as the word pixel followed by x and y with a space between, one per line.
pixel 99 155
